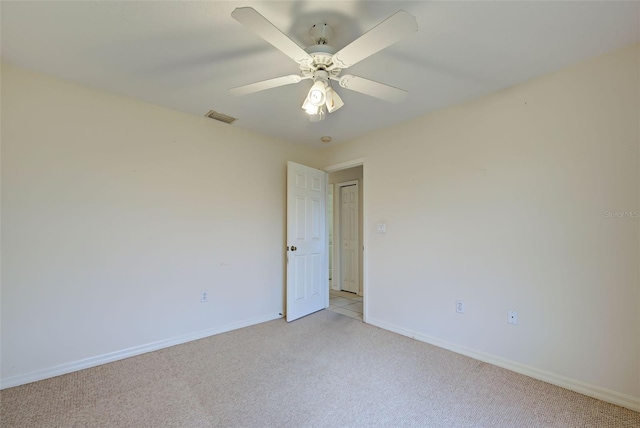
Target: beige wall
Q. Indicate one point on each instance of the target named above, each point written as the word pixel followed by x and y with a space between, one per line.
pixel 343 176
pixel 116 214
pixel 503 202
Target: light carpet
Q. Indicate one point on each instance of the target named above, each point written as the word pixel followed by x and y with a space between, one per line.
pixel 325 370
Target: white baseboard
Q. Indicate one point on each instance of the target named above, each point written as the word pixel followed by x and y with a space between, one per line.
pixel 130 352
pixel 603 394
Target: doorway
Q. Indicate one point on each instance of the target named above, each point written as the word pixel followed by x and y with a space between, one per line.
pixel 346 238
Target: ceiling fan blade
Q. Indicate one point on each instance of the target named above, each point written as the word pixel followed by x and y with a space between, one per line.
pixel 260 25
pixel 265 84
pixel 372 88
pixel 379 37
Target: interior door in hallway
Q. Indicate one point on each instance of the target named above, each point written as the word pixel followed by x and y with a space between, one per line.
pixel 349 238
pixel 306 241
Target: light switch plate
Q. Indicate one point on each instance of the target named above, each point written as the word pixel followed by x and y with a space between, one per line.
pixel 382 228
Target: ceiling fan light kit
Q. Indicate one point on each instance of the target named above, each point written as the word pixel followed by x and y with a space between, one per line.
pixel 317 95
pixel 321 63
pixel 334 102
pixel 317 117
pixel 321 96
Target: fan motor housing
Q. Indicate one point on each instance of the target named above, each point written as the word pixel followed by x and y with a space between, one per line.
pixel 321 51
pixel 321 33
pixel 322 58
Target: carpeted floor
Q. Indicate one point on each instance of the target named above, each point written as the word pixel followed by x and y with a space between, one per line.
pixel 271 375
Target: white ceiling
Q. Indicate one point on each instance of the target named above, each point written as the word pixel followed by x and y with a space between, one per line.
pixel 186 55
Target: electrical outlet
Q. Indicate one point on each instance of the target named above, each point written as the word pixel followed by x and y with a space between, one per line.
pixel 460 306
pixel 512 317
pixel 204 297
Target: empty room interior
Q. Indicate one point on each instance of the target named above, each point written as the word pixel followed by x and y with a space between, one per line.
pixel 447 233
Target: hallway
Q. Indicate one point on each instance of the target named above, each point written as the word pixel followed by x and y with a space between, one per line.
pixel 346 303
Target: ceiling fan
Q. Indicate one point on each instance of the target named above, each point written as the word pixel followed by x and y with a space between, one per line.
pixel 321 63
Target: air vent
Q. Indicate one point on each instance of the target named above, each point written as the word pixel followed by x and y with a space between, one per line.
pixel 220 117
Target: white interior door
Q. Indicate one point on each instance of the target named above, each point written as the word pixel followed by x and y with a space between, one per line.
pixel 306 241
pixel 349 238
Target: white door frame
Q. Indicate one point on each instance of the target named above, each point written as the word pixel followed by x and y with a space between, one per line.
pixel 330 260
pixel 364 190
pixel 337 232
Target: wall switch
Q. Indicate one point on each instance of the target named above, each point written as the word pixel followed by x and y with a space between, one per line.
pixel 382 228
pixel 204 297
pixel 512 317
pixel 460 306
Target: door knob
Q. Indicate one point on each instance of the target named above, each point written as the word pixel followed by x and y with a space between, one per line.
pixel 293 248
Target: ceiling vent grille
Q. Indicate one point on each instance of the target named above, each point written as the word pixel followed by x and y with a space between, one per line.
pixel 220 117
